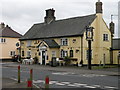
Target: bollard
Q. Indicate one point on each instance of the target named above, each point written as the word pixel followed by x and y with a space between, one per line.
pixel 47 82
pixel 31 75
pixel 19 74
pixel 29 83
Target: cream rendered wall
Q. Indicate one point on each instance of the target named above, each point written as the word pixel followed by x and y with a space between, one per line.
pixel 9 45
pixel 115 56
pixel 99 47
pixel 71 46
pixel 33 49
pixel 74 46
pixel 49 53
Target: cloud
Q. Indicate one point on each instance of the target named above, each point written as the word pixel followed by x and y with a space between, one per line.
pixel 22 14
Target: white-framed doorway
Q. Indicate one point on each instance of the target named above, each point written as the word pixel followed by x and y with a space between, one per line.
pixel 43 55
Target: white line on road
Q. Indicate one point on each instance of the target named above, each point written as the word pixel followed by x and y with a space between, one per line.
pixel 60 84
pixel 73 84
pixel 89 86
pixel 36 86
pixel 109 87
pixel 66 82
pixel 80 84
pixel 38 81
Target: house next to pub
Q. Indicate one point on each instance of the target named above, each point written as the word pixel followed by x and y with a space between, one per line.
pixel 67 38
pixel 9 42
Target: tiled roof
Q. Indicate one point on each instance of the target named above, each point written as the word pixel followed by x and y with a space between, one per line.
pixel 116 44
pixel 8 32
pixel 51 43
pixel 59 28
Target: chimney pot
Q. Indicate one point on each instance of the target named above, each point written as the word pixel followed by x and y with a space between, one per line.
pixel 49 15
pixel 112 27
pixel 2 25
pixel 99 7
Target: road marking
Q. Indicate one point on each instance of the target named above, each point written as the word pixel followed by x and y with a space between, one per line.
pixel 96 86
pixel 92 75
pixel 89 86
pixel 73 84
pixel 14 79
pixel 80 84
pixel 36 86
pixel 52 82
pixel 66 82
pixel 38 81
pixel 20 71
pixel 60 84
pixel 84 75
pixel 109 87
pixel 63 73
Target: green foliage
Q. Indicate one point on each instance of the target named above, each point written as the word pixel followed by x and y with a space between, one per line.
pixel 36 60
pixel 67 60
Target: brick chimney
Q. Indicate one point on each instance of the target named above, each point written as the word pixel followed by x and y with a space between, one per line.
pixel 2 25
pixel 99 7
pixel 112 26
pixel 49 16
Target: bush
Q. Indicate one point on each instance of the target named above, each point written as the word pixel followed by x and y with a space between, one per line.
pixel 67 60
pixel 36 60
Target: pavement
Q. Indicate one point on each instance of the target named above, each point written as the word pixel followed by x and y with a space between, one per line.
pixel 11 84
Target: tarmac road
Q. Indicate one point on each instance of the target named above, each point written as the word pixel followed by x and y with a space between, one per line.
pixel 64 77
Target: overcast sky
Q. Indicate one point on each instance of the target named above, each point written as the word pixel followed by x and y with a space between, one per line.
pixel 20 15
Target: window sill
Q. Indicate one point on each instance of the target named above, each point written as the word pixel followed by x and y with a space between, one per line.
pixel 106 41
pixel 63 45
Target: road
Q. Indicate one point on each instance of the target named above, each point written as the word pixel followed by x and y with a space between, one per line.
pixel 61 77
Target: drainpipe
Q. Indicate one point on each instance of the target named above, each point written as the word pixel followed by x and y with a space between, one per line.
pixel 82 48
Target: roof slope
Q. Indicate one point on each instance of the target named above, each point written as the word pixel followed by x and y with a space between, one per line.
pixel 51 43
pixel 8 32
pixel 116 44
pixel 60 28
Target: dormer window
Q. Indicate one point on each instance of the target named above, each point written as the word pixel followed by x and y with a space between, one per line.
pixel 64 41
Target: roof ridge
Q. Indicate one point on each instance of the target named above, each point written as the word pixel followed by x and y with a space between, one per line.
pixel 75 17
pixel 9 32
pixel 68 18
pixel 13 30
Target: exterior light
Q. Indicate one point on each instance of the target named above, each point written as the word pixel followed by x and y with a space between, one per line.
pixel 89 33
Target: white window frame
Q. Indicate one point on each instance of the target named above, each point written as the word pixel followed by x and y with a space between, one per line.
pixel 2 40
pixel 64 41
pixel 12 53
pixel 64 53
pixel 53 54
pixel 105 37
pixel 29 42
pixel 28 53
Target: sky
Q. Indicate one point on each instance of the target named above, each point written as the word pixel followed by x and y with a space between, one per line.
pixel 20 15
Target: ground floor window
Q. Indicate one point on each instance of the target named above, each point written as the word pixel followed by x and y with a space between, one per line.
pixel 22 53
pixel 64 53
pixel 71 53
pixel 53 54
pixel 12 53
pixel 28 53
